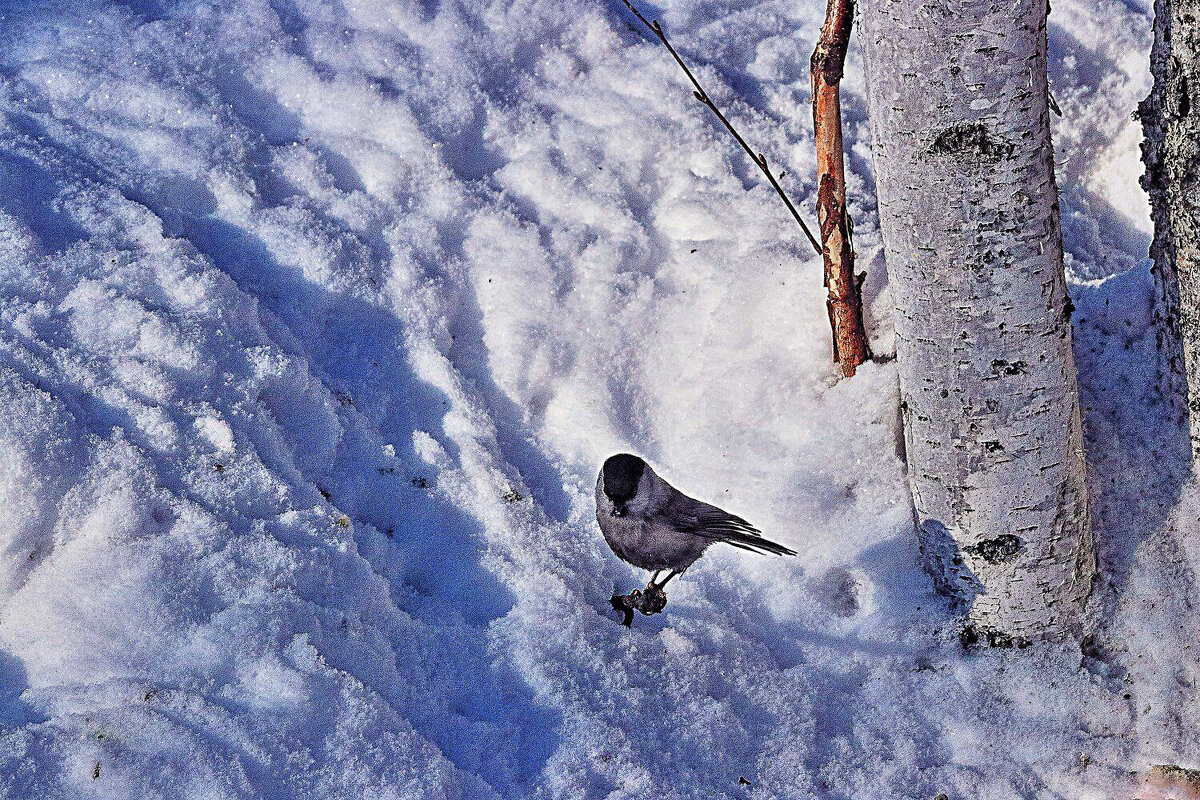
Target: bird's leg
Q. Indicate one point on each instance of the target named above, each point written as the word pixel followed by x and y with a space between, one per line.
pixel 654 584
pixel 654 599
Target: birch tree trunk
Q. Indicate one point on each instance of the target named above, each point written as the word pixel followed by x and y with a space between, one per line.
pixel 1171 153
pixel 969 213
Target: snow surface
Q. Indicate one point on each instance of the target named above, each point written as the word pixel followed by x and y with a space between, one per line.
pixel 317 320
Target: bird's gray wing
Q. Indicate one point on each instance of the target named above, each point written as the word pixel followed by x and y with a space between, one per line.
pixel 698 518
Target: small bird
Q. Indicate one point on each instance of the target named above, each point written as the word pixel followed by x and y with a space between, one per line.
pixel 649 523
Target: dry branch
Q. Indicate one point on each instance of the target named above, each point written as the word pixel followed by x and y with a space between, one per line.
pixel 702 96
pixel 844 302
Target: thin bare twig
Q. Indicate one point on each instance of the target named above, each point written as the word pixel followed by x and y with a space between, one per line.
pixel 1053 105
pixel 702 96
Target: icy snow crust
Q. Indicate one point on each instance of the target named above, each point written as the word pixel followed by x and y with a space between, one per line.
pixel 317 321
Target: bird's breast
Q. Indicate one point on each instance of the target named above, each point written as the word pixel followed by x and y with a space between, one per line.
pixel 648 545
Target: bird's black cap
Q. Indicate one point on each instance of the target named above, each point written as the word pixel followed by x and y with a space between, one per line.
pixel 621 475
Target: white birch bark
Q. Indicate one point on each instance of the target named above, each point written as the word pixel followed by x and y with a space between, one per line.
pixel 1171 152
pixel 969 212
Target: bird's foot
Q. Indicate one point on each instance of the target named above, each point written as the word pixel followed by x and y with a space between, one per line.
pixel 626 604
pixel 653 600
pixel 650 601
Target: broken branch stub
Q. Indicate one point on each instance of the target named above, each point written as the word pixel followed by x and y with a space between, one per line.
pixel 844 300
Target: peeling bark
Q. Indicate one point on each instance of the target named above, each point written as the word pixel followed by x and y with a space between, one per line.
pixel 1171 153
pixel 844 301
pixel 969 212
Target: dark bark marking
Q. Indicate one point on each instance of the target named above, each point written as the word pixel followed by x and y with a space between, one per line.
pixel 972 141
pixel 973 634
pixel 1002 548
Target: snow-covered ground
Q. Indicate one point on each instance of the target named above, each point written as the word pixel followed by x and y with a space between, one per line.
pixel 317 319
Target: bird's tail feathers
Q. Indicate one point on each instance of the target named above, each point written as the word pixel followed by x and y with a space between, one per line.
pixel 734 530
pixel 755 543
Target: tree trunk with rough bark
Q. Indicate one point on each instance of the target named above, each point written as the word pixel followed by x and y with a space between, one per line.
pixel 1171 153
pixel 969 213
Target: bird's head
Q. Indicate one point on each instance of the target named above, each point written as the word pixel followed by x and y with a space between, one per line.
pixel 620 478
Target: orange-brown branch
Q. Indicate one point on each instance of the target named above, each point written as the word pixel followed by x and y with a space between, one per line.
pixel 850 346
